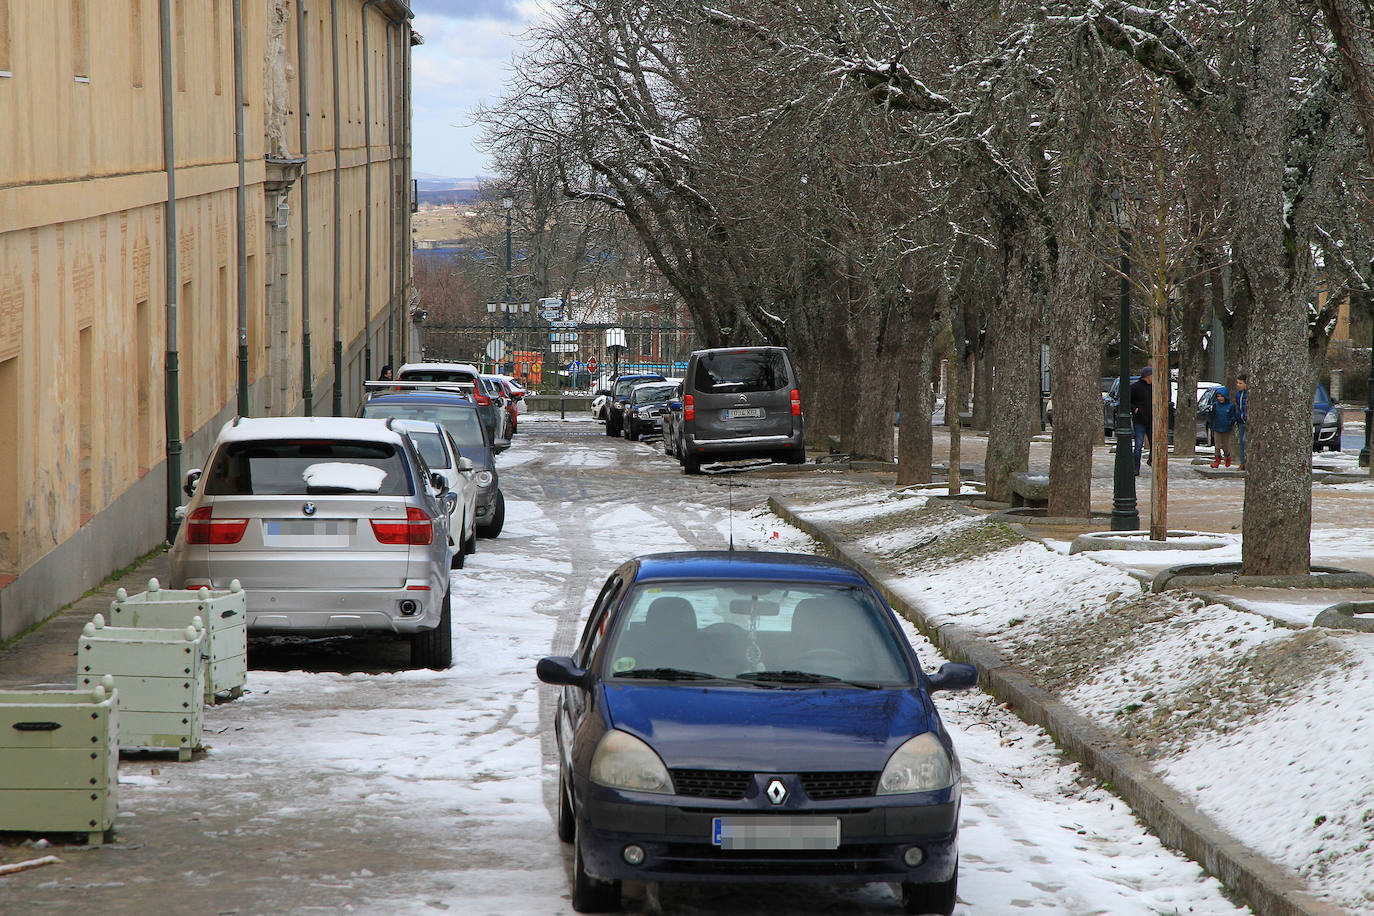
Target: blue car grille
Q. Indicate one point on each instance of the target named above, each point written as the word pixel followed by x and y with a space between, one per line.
pixel 732 785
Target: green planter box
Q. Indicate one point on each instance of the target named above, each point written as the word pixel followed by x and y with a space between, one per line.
pixel 223 613
pixel 59 754
pixel 160 676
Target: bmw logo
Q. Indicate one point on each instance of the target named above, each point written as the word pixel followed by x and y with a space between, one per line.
pixel 308 508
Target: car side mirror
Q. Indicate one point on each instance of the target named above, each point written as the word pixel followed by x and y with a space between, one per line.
pixel 437 481
pixel 674 405
pixel 954 676
pixel 465 465
pixel 561 671
pixel 192 478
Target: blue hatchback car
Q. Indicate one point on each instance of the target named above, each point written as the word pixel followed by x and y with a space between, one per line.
pixel 743 716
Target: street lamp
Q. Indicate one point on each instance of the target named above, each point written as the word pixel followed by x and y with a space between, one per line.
pixel 1125 515
pixel 1369 391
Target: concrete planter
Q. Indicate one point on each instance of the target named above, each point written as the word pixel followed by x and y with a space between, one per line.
pixel 222 611
pixel 1140 540
pixel 59 756
pixel 160 676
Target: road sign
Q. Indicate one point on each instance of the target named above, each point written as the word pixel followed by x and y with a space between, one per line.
pixel 551 308
pixel 563 348
pixel 574 365
pixel 496 350
pixel 562 336
pixel 591 364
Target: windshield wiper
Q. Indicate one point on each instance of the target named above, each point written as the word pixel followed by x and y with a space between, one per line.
pixel 792 676
pixel 668 674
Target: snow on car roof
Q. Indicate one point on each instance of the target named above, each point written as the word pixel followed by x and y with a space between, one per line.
pixel 437 367
pixel 247 429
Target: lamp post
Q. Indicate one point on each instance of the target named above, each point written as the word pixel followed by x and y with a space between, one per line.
pixel 1369 391
pixel 1125 515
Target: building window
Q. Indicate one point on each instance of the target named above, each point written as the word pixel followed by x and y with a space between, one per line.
pixel 4 37
pixel 135 42
pixel 81 42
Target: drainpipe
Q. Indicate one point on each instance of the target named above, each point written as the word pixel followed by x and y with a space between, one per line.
pixel 172 284
pixel 338 218
pixel 241 211
pixel 391 198
pixel 303 120
pixel 407 239
pixel 367 204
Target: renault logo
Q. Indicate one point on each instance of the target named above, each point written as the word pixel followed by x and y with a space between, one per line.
pixel 776 792
pixel 308 508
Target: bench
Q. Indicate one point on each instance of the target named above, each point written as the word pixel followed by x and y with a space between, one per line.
pixel 1029 490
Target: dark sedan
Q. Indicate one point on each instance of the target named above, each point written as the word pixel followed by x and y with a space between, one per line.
pixel 742 716
pixel 461 420
pixel 619 394
pixel 645 408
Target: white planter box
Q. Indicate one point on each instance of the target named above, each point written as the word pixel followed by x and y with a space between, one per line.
pixel 223 613
pixel 59 754
pixel 160 676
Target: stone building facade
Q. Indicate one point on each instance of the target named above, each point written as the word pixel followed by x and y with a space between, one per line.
pixel 131 330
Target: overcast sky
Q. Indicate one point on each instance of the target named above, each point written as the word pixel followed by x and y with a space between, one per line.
pixel 464 61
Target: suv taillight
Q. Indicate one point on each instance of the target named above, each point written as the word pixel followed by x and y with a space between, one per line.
pixel 480 399
pixel 416 530
pixel 796 403
pixel 689 408
pixel 203 528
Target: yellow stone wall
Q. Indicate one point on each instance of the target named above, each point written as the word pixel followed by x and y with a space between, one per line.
pixel 82 260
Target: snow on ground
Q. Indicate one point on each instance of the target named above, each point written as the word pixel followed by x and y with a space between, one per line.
pixel 1287 775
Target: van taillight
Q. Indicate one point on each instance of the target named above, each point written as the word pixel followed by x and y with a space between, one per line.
pixel 478 398
pixel 796 403
pixel 203 528
pixel 416 530
pixel 689 408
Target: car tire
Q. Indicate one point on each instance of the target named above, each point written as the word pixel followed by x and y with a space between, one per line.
pixel 631 432
pixel 667 445
pixel 470 545
pixel 690 464
pixel 612 427
pixel 797 457
pixel 936 897
pixel 567 820
pixel 498 518
pixel 433 649
pixel 459 553
pixel 591 895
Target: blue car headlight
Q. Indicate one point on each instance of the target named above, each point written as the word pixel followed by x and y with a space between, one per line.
pixel 622 761
pixel 919 765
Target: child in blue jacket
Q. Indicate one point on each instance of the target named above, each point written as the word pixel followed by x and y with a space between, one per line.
pixel 1223 417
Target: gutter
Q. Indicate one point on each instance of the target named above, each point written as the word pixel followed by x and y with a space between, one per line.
pixel 241 213
pixel 171 282
pixel 303 121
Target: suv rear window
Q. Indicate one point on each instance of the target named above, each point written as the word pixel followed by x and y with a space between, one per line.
pixel 741 370
pixel 277 467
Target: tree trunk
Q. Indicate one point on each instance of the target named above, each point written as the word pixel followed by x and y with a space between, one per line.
pixel 870 394
pixel 914 437
pixel 982 378
pixel 1077 395
pixel 1189 361
pixel 1352 28
pixel 1278 482
pixel 1009 328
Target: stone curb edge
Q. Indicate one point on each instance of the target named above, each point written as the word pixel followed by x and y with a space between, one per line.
pixel 1267 888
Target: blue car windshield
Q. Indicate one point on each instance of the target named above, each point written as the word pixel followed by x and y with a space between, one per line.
pixel 758 631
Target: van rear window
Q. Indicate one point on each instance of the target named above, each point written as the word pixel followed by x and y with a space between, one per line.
pixel 745 370
pixel 277 467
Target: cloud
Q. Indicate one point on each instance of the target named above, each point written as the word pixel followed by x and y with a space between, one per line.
pixel 504 10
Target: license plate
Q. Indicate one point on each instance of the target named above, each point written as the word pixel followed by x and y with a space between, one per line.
pixel 306 533
pixel 744 413
pixel 777 832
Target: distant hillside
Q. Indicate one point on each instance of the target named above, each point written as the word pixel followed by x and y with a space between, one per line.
pixel 440 189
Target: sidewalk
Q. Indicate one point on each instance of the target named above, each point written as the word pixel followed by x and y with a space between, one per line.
pixel 1228 722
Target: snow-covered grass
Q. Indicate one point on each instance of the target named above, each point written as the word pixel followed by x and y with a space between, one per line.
pixel 1257 723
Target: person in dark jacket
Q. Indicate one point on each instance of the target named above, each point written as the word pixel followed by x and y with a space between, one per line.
pixel 1242 402
pixel 1142 411
pixel 1224 419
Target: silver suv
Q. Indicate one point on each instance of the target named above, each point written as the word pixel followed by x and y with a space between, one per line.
pixel 740 402
pixel 334 526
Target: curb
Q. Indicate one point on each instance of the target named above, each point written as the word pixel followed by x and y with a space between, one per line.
pixel 1267 888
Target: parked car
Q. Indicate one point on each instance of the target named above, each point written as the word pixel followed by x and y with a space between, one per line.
pixel 1327 424
pixel 619 393
pixel 662 775
pixel 645 408
pixel 467 379
pixel 442 456
pixel 461 419
pixel 600 399
pixel 672 423
pixel 1109 406
pixel 741 402
pixel 330 524
pixel 494 388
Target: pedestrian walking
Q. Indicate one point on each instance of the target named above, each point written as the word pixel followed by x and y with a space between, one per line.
pixel 386 373
pixel 1142 411
pixel 1242 391
pixel 1224 419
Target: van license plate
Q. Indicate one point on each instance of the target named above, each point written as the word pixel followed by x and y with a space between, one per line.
pixel 776 832
pixel 744 413
pixel 306 533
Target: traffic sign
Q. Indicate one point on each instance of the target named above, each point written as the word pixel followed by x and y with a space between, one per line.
pixel 591 364
pixel 496 350
pixel 563 324
pixel 563 348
